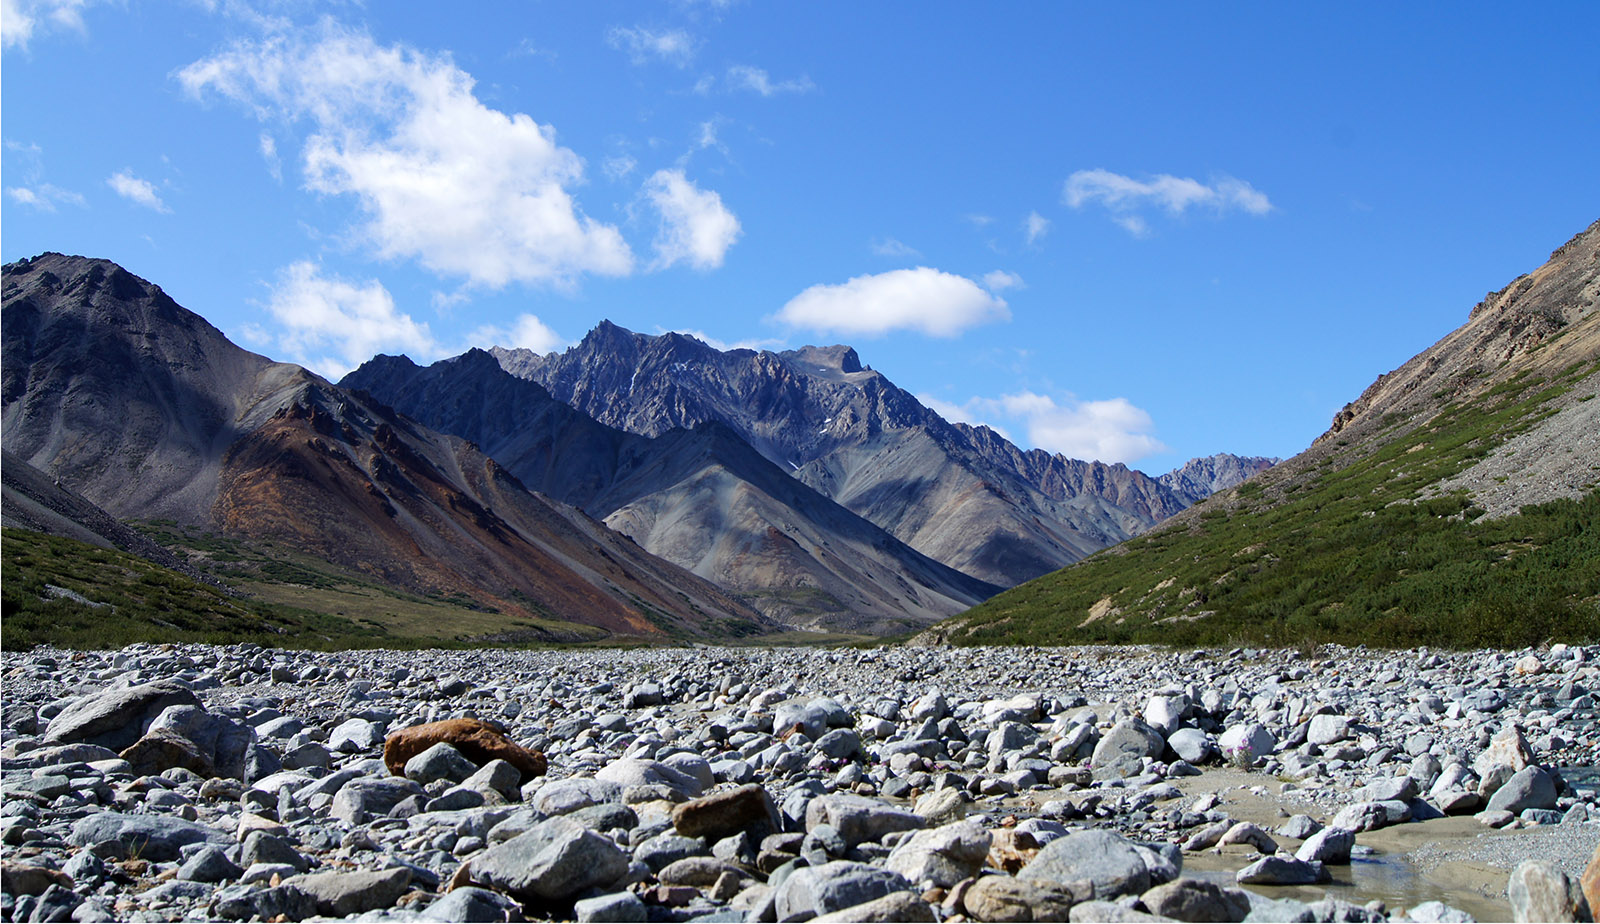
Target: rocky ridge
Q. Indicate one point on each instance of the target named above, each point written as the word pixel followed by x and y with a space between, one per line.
pixel 166 783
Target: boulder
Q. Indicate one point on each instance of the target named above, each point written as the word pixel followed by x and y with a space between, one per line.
pixel 944 855
pixel 477 740
pixel 835 886
pixel 1508 752
pixel 1129 739
pixel 553 862
pixel 1108 860
pixel 158 838
pixel 339 894
pixel 1191 744
pixel 472 905
pixel 729 812
pixel 1282 871
pixel 1330 845
pixel 896 906
pixel 859 819
pixel 364 797
pixel 118 717
pixel 1245 743
pixel 1196 900
pixel 442 761
pixel 1002 898
pixel 1538 891
pixel 636 771
pixel 1528 788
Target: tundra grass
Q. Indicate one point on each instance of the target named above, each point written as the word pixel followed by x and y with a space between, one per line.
pixel 1358 555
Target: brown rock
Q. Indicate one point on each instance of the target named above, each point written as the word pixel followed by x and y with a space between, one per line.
pixel 1590 883
pixel 1012 850
pixel 479 741
pixel 726 813
pixel 160 751
pixel 23 879
pixel 1002 898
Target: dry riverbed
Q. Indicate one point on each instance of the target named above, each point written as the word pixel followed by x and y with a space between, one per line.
pixel 197 783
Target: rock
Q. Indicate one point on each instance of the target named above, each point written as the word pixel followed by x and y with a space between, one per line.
pixel 573 793
pixel 1325 729
pixel 209 864
pixel 1208 836
pixel 1246 743
pixel 1165 713
pixel 634 771
pixel 1128 740
pixel 694 871
pixel 1402 788
pixel 1196 900
pixel 1299 827
pixel 1370 816
pixel 554 861
pixel 942 806
pixel 839 744
pixel 1002 898
pixel 1437 912
pixel 472 905
pixel 1246 833
pixel 353 736
pixel 819 890
pixel 1540 892
pixel 499 777
pixel 1281 871
pixel 1097 911
pixel 117 718
pixel 1590 883
pixel 282 903
pixel 729 812
pixel 439 762
pixel 339 894
pixel 158 752
pixel 1528 788
pixel 643 696
pixel 158 838
pixel 1330 845
pixel 365 797
pixel 1108 860
pixel 261 847
pixel 624 907
pixel 1191 744
pixel 27 879
pixel 859 819
pixel 478 741
pixel 944 855
pixel 1508 752
pixel 225 744
pixel 1458 803
pixel 896 906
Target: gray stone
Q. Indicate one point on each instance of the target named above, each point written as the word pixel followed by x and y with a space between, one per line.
pixel 226 744
pixel 1098 911
pixel 1299 827
pixel 694 871
pixel 818 890
pixel 365 797
pixel 1129 739
pixel 574 793
pixel 496 776
pixel 1325 729
pixel 209 864
pixel 839 744
pixel 1108 860
pixel 1282 871
pixel 356 735
pixel 1165 713
pixel 643 695
pixel 261 847
pixel 1538 891
pixel 622 907
pixel 1191 744
pixel 1402 788
pixel 152 837
pixel 635 771
pixel 944 855
pixel 472 905
pixel 896 906
pixel 1330 845
pixel 859 819
pixel 1528 788
pixel 1196 900
pixel 1508 752
pixel 1437 912
pixel 554 861
pixel 116 718
pixel 1002 898
pixel 339 894
pixel 440 762
pixel 1246 743
pixel 1246 833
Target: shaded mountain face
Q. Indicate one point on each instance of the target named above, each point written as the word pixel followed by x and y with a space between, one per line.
pixel 699 497
pixel 962 495
pixel 148 411
pixel 1200 478
pixel 1454 502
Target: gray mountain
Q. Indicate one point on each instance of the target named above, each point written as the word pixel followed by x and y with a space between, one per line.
pixel 1198 479
pixel 962 495
pixel 699 497
pixel 148 411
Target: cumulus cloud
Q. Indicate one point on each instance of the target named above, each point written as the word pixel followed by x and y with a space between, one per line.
pixel 695 226
pixel 527 332
pixel 1112 430
pixel 135 190
pixel 44 196
pixel 674 46
pixel 463 189
pixel 1035 226
pixel 936 303
pixel 20 20
pixel 1124 197
pixel 757 80
pixel 332 325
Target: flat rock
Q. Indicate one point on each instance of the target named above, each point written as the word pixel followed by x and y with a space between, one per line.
pixel 1281 871
pixel 554 861
pixel 118 717
pixel 1108 860
pixel 725 813
pixel 1196 900
pixel 152 837
pixel 339 894
pixel 896 906
pixel 859 819
pixel 818 890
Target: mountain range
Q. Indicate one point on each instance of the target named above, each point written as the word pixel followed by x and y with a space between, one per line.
pixel 1455 501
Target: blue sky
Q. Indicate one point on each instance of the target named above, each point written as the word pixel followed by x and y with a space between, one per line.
pixel 1138 234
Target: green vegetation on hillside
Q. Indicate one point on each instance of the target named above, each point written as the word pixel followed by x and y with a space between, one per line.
pixel 1355 555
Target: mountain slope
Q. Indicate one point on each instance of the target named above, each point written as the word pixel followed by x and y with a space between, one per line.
pixel 963 496
pixel 148 411
pixel 701 498
pixel 1198 479
pixel 1408 522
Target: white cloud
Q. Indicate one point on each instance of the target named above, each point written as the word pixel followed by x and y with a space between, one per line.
pixel 761 343
pixel 135 190
pixel 695 226
pixel 20 20
pixel 332 325
pixel 756 80
pixel 1124 196
pixel 1113 430
pixel 528 333
pixel 1035 226
pixel 44 196
pixel 936 303
pixel 463 189
pixel 998 281
pixel 618 167
pixel 889 247
pixel 674 46
pixel 269 153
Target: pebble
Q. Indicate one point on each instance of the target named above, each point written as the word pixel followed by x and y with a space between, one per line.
pixel 171 782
